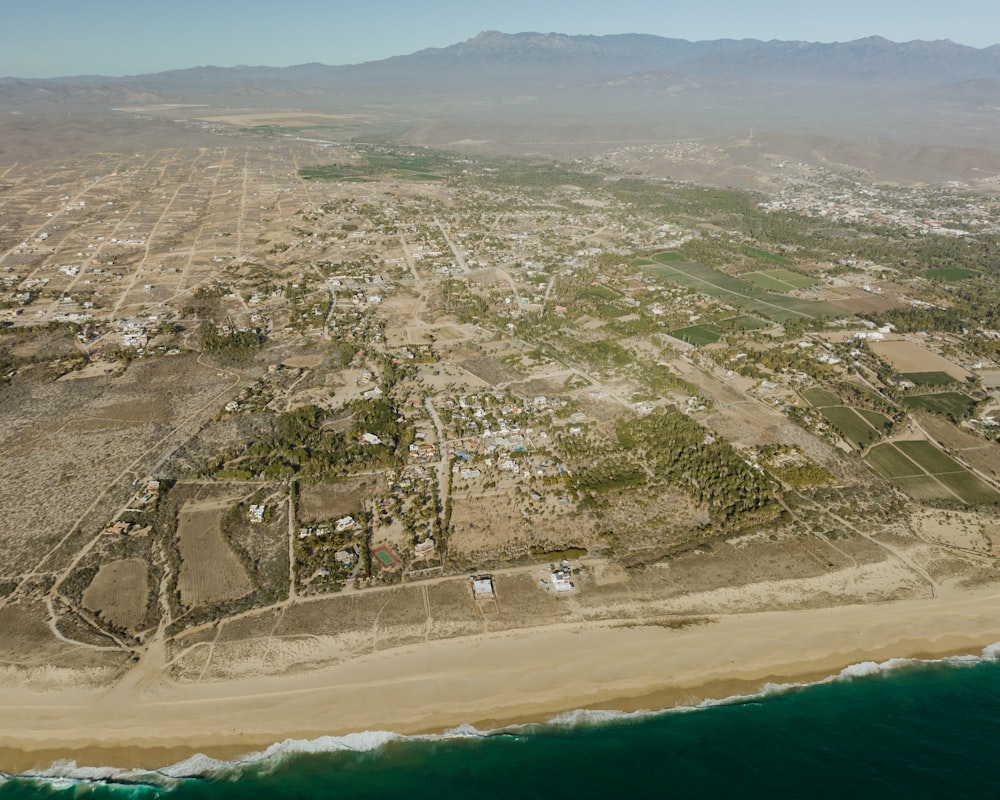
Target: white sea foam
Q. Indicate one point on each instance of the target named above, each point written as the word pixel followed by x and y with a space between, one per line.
pixel 67 773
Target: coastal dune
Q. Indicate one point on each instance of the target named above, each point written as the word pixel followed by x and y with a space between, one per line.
pixel 488 680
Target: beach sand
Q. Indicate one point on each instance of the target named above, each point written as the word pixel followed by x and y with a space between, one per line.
pixel 490 680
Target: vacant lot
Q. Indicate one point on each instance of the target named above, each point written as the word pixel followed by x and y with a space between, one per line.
pixel 911 359
pixel 210 571
pixel 120 592
pixel 325 501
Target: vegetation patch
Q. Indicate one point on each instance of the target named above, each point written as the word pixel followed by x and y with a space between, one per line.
pixel 821 398
pixel 934 378
pixel 969 487
pixel 744 322
pixel 953 405
pixel 950 274
pixel 697 334
pixel 754 252
pixel 850 425
pixel 890 463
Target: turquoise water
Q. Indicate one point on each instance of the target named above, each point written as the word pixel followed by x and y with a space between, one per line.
pixel 896 730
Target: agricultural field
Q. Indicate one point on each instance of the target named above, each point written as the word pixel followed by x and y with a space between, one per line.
pixel 735 291
pixel 821 398
pixel 764 255
pixel 925 473
pixel 851 425
pixel 697 334
pixel 950 274
pixel 119 593
pixel 918 364
pixel 953 405
pixel 744 322
pixel 859 426
pixel 934 378
pixel 778 280
pixel 210 570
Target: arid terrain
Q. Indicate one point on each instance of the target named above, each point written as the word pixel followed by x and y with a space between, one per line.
pixel 276 384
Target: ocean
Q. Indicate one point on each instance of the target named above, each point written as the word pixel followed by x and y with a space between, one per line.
pixel 899 729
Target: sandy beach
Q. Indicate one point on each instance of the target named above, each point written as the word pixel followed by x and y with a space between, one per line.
pixel 490 680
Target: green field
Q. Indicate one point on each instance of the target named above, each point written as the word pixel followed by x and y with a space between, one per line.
pixel 930 378
pixel 969 487
pixel 697 334
pixel 766 256
pixel 821 398
pixel 950 274
pixel 745 322
pixel 951 404
pixel 793 278
pixel 778 280
pixel 764 281
pixel 898 462
pixel 670 257
pixel 889 462
pixel 728 289
pixel 923 487
pixel 850 426
pixel 929 457
pixel 879 422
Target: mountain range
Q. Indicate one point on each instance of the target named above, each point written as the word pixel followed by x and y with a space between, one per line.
pixel 554 94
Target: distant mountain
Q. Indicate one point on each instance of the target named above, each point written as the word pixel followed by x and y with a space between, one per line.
pixel 551 94
pixel 493 59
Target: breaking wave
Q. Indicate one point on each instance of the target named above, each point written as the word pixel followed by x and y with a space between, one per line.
pixel 67 774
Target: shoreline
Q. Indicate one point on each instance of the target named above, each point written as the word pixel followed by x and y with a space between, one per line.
pixel 499 680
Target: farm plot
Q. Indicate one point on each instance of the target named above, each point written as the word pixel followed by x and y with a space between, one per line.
pixel 744 322
pixel 851 425
pixel 950 274
pixel 778 280
pixel 935 378
pixel 755 252
pixel 953 405
pixel 821 398
pixel 210 571
pixel 925 473
pixel 746 296
pixel 697 334
pixel 119 593
pixel 929 457
pixel 911 359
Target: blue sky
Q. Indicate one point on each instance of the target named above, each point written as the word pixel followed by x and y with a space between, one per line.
pixel 45 38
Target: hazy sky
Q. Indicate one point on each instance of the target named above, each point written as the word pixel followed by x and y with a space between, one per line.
pixel 45 38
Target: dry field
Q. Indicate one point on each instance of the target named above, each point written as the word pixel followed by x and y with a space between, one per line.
pixel 912 357
pixel 119 592
pixel 859 301
pixel 495 523
pixel 281 119
pixel 325 501
pixel 210 571
pixel 979 453
pixel 87 440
